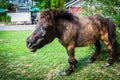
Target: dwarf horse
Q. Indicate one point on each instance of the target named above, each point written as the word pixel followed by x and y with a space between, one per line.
pixel 73 32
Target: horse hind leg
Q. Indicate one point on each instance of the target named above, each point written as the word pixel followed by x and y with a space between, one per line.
pixel 96 53
pixel 110 49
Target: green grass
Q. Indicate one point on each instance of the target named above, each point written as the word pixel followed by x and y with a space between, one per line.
pixel 18 63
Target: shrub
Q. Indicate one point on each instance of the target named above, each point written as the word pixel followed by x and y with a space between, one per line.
pixel 4 17
pixel 107 8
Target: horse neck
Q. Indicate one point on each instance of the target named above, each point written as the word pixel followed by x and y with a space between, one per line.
pixel 61 27
pixel 61 24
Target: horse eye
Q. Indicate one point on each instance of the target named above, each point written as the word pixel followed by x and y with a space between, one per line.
pixel 44 28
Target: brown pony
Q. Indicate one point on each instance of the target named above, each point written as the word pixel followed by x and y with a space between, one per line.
pixel 73 32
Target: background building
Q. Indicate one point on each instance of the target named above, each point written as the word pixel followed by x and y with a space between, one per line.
pixel 75 6
pixel 22 2
pixel 23 12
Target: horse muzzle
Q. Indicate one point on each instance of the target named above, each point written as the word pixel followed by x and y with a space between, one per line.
pixel 30 45
pixel 34 45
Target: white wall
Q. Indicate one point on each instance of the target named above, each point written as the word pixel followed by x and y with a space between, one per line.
pixel 20 17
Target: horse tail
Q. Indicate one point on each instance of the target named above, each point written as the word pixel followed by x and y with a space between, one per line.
pixel 112 34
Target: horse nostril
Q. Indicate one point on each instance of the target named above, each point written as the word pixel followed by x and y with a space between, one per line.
pixel 28 42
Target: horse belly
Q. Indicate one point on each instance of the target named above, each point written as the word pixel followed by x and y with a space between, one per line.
pixel 87 41
pixel 86 38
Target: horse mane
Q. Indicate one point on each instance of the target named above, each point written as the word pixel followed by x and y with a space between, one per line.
pixel 53 15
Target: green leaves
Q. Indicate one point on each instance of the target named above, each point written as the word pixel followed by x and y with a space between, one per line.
pixel 43 4
pixel 107 8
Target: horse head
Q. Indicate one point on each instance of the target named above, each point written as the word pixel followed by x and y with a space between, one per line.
pixel 44 32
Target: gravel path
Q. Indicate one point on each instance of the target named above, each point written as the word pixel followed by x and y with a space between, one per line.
pixel 16 27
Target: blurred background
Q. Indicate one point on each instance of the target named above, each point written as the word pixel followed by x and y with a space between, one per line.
pixel 25 11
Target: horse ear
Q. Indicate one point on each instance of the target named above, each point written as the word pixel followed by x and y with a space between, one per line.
pixel 47 16
pixel 50 18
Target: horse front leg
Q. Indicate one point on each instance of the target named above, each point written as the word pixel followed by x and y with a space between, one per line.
pixel 71 60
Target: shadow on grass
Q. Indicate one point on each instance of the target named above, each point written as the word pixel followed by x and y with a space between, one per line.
pixel 103 57
pixel 81 64
pixel 4 66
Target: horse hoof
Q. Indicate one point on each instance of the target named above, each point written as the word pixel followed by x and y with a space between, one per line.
pixel 89 61
pixel 107 64
pixel 63 74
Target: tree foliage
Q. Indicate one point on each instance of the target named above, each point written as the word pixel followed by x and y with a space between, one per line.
pixel 68 0
pixel 5 5
pixel 43 4
pixel 107 8
pixel 57 3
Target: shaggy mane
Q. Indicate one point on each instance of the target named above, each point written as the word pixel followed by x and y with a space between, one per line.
pixel 53 15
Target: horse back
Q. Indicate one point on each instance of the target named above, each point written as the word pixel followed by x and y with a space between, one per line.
pixel 89 30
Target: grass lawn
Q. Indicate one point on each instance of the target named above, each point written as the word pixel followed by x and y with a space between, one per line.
pixel 18 63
